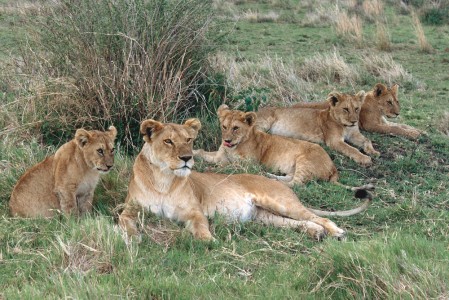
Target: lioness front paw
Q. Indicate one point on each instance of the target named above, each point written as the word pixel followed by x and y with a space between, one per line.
pixel 365 160
pixel 204 235
pixel 414 134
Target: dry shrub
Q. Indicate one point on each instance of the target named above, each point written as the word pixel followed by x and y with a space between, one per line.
pixel 382 37
pixel 373 9
pixel 257 17
pixel 422 40
pixel 123 61
pixel 349 27
pixel 328 68
pixel 443 124
pixel 385 68
pixel 281 78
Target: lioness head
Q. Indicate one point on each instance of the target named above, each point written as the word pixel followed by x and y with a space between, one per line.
pixel 97 147
pixel 387 100
pixel 169 146
pixel 235 125
pixel 345 108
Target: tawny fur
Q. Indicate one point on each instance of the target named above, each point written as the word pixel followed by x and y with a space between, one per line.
pixel 336 125
pixel 163 183
pixel 66 180
pixel 380 103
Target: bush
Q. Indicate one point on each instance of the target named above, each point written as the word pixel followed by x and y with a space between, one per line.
pixel 436 16
pixel 125 61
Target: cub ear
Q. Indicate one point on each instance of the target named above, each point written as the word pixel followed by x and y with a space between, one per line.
pixel 82 137
pixel 250 118
pixel 112 131
pixel 379 89
pixel 149 127
pixel 333 98
pixel 394 90
pixel 193 123
pixel 361 96
pixel 222 109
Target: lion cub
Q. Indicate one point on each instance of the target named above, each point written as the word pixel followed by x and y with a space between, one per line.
pixel 379 103
pixel 301 161
pixel 66 180
pixel 163 182
pixel 334 125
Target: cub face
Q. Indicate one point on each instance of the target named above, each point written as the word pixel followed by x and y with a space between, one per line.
pixel 345 108
pixel 235 125
pixel 387 100
pixel 97 148
pixel 171 144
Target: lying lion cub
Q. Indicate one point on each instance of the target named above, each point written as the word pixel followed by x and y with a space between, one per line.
pixel 301 161
pixel 66 180
pixel 334 125
pixel 379 103
pixel 163 183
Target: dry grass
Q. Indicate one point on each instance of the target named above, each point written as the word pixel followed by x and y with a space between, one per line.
pixel 385 68
pixel 328 68
pixel 282 78
pixel 349 27
pixel 382 37
pixel 257 17
pixel 443 124
pixel 373 9
pixel 424 45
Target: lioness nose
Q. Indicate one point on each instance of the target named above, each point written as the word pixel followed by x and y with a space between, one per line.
pixel 185 158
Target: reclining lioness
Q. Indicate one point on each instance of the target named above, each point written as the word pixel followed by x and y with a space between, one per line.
pixel 163 183
pixel 379 103
pixel 66 180
pixel 301 161
pixel 334 125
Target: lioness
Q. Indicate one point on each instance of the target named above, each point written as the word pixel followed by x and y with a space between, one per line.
pixel 163 183
pixel 379 103
pixel 334 125
pixel 66 180
pixel 301 161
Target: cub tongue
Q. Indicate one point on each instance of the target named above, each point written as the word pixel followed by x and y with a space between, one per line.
pixel 227 144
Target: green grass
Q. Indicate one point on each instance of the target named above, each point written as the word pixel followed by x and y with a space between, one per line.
pixel 398 248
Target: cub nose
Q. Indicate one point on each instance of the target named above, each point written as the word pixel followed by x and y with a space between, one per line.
pixel 109 166
pixel 185 158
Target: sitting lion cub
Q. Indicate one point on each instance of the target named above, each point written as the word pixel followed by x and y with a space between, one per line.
pixel 334 125
pixel 301 161
pixel 66 180
pixel 379 103
pixel 163 183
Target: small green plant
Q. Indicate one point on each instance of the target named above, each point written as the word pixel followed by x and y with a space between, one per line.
pixel 436 16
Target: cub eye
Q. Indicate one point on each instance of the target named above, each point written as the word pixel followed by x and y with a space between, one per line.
pixel 345 109
pixel 112 150
pixel 189 140
pixel 168 142
pixel 224 127
pixel 357 109
pixel 390 102
pixel 235 128
pixel 100 151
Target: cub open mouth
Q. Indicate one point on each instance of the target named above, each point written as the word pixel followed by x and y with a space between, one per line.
pixel 228 144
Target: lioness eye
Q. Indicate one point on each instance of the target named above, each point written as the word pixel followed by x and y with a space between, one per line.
pixel 357 109
pixel 168 142
pixel 100 151
pixel 112 150
pixel 189 140
pixel 390 102
pixel 235 128
pixel 224 127
pixel 346 110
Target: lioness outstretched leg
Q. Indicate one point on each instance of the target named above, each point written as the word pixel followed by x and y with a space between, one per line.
pixel 314 230
pixel 291 208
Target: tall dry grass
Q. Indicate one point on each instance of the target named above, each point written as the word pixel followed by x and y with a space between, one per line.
pixel 383 41
pixel 424 45
pixel 373 9
pixel 349 27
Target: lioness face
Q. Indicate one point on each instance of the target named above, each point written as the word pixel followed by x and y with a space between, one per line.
pixel 345 108
pixel 387 99
pixel 171 145
pixel 235 125
pixel 97 148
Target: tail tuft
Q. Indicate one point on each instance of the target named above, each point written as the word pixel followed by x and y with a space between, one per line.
pixel 363 194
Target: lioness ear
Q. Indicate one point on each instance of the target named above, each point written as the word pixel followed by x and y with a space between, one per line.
pixel 361 96
pixel 250 118
pixel 333 98
pixel 149 127
pixel 221 110
pixel 394 90
pixel 379 89
pixel 82 137
pixel 112 131
pixel 193 123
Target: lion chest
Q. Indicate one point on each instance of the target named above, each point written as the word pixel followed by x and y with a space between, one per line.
pixel 87 184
